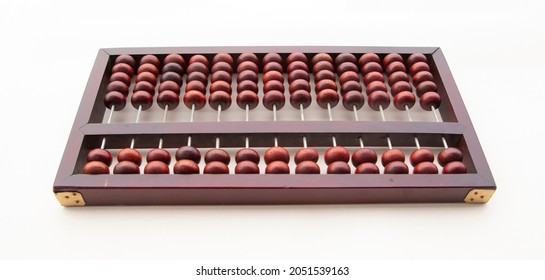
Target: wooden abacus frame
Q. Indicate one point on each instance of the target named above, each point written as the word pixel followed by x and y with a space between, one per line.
pixel 75 189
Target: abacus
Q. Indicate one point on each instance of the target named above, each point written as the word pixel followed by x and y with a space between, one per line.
pixel 272 125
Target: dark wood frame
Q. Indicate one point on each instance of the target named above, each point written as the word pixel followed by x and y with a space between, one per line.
pixel 88 130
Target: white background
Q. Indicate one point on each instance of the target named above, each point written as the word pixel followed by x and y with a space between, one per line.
pixel 495 50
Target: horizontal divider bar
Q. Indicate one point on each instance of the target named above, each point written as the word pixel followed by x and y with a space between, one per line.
pixel 274 181
pixel 255 127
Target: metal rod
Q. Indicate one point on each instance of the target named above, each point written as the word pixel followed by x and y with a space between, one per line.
pixel 304 141
pixel 437 120
pixel 302 111
pixel 361 142
pixel 355 113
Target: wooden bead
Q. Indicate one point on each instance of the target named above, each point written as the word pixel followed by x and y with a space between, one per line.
pixel 306 154
pixel 400 86
pixel 322 65
pixel 353 99
pixel 272 98
pixel 272 66
pixel 271 57
pixel 422 76
pixel 425 167
pixel 397 77
pixel 390 58
pixel 404 98
pixel 171 76
pixel 429 99
pixel 198 58
pixel 349 76
pixel 327 96
pixel 368 57
pixel 421 155
pixel 367 168
pixel 168 97
pixel 377 99
pixel 298 75
pixel 448 155
pixel 345 58
pixel 296 56
pixel 425 86
pixel 118 86
pixel 307 167
pixel 392 155
pixel 247 75
pixel 276 154
pixel 169 85
pixel 277 167
pixel 363 155
pixel 347 66
pixel 217 155
pixel 216 167
pixel 174 58
pixel 246 167
pixel 219 98
pixel 125 58
pixel 419 67
pixel 297 65
pixel 122 77
pixel 144 86
pixel 247 57
pixel 338 167
pixel 375 86
pixel 95 167
pixel 326 84
pixel 158 155
pixel 148 67
pixel 115 98
pixel 173 67
pixel 129 154
pixel 247 154
pixel 247 85
pixel 156 167
pixel 221 76
pixel 337 153
pixel 273 76
pixel 324 75
pixel 146 76
pixel 186 166
pixel 299 85
pixel 273 86
pixel 142 99
pixel 395 67
pixel 151 59
pixel 371 67
pixel 126 167
pixel 197 76
pixel 223 57
pixel 374 76
pixel 101 155
pixel 416 57
pixel 188 152
pixel 197 67
pixel 322 57
pixel 195 85
pixel 455 167
pixel 351 86
pixel 247 65
pixel 249 98
pixel 222 66
pixel 123 67
pixel 196 98
pixel 221 86
pixel 396 167
pixel 299 97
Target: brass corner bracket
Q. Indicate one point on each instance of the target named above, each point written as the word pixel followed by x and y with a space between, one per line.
pixel 70 198
pixel 479 196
